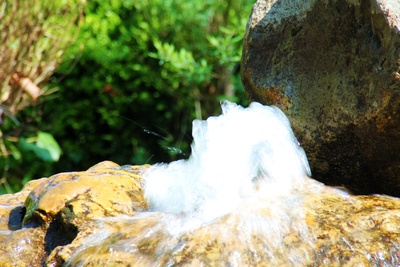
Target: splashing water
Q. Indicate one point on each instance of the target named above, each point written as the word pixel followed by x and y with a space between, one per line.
pixel 233 156
pixel 240 193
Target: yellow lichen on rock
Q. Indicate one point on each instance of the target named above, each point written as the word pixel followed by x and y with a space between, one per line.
pixel 63 208
pixel 103 190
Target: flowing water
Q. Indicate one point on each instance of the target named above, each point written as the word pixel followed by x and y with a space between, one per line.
pixel 237 201
pixel 235 155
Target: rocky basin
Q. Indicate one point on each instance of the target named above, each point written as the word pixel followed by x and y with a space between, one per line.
pixel 99 217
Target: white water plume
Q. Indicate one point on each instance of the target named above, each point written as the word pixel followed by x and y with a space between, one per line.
pixel 239 154
pixel 241 193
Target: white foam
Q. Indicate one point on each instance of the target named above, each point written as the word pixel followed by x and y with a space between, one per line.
pixel 243 152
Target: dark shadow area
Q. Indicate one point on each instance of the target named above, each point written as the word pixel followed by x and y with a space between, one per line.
pixel 60 232
pixel 15 218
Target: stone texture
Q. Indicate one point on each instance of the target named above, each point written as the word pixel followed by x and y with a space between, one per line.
pixel 19 247
pixel 325 228
pixel 333 66
pixel 99 218
pixel 39 223
pixel 11 206
pixel 103 190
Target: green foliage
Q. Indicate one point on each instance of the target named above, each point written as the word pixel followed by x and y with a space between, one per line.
pixel 27 158
pixel 138 74
pixel 45 147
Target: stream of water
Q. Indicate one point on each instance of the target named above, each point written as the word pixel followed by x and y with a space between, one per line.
pixel 244 151
pixel 238 197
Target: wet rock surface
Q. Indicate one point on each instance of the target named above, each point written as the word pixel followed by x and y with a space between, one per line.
pixel 334 68
pixel 39 223
pixel 19 246
pixel 104 221
pixel 336 230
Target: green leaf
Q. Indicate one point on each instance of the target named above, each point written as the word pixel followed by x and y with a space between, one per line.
pixel 45 148
pixel 213 41
pixel 41 153
pixel 47 142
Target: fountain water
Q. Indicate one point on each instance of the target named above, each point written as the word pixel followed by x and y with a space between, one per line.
pixel 234 156
pixel 238 200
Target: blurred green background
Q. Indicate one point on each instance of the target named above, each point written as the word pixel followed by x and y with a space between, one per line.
pixel 120 80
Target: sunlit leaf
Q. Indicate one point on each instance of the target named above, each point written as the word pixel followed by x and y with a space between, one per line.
pixel 47 142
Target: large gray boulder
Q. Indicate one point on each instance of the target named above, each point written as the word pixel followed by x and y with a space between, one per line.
pixel 333 66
